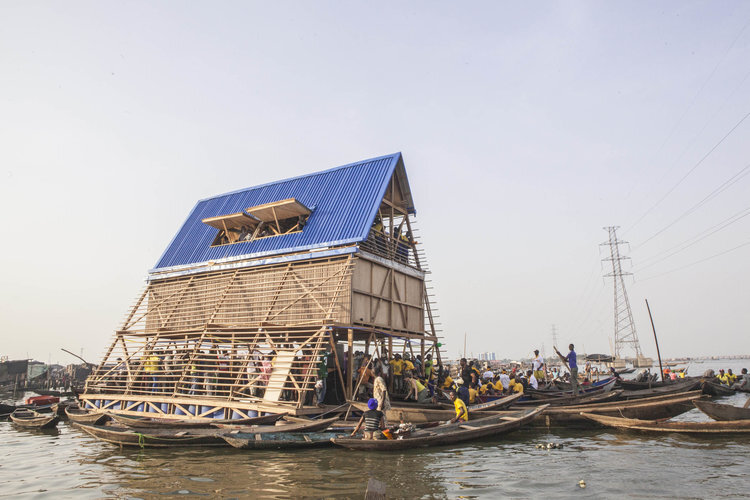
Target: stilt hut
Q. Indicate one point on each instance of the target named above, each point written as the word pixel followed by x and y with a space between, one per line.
pixel 259 285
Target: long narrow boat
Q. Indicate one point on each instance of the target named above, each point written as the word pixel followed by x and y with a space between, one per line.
pixel 544 394
pixel 712 427
pixel 83 416
pixel 567 386
pixel 495 404
pixel 421 415
pixel 142 422
pixel 161 438
pixel 32 419
pixel 449 433
pixel 672 388
pixel 281 440
pixel 714 388
pixel 722 412
pixel 659 407
pixel 571 400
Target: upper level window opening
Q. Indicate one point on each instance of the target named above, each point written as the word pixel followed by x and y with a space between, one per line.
pixel 261 221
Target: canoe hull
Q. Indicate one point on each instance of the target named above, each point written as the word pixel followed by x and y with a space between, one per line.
pixel 444 435
pixel 703 428
pixel 722 412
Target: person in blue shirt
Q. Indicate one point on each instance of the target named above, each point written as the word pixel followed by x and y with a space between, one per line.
pixel 571 359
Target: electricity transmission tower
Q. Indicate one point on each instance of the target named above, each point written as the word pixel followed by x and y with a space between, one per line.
pixel 625 335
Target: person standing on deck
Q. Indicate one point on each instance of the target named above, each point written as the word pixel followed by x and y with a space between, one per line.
pixel 380 389
pixel 538 365
pixel 397 367
pixel 571 358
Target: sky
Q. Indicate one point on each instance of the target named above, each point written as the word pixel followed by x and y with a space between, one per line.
pixel 526 128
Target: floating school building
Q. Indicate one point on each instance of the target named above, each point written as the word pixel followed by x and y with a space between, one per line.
pixel 259 283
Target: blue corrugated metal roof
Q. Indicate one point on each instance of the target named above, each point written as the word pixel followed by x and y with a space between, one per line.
pixel 344 202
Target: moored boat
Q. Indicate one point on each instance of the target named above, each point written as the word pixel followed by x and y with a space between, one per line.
pixel 713 388
pixel 32 419
pixel 141 422
pixel 495 404
pixel 281 440
pixel 164 437
pixel 722 412
pixel 457 432
pixel 83 416
pixel 658 407
pixel 599 387
pixel 712 427
pixel 678 387
pixel 571 400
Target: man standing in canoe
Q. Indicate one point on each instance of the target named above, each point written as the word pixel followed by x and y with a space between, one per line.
pixel 572 363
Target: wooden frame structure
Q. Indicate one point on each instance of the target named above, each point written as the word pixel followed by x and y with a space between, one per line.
pixel 235 341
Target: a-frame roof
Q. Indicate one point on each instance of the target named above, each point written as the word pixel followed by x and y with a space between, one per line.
pixel 344 201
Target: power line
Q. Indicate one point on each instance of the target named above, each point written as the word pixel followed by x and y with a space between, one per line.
pixel 699 237
pixel 689 172
pixel 713 194
pixel 697 262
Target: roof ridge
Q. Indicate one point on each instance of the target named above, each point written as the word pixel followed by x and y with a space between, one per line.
pixel 311 174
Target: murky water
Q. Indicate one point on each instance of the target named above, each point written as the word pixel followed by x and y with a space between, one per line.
pixel 67 463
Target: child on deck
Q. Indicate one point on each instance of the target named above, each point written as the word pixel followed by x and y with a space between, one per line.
pixel 373 419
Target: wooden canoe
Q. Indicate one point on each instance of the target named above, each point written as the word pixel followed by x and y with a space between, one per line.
pixel 32 419
pixel 544 394
pixel 712 427
pixel 142 437
pixel 722 412
pixel 677 387
pixel 83 416
pixel 571 400
pixel 494 405
pixel 713 388
pixel 161 438
pixel 281 440
pixel 144 422
pixel 660 407
pixel 448 433
pixel 414 415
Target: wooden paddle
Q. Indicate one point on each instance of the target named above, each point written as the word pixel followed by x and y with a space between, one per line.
pixel 747 403
pixel 562 358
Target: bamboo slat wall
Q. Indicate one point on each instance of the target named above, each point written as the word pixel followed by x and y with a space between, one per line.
pixel 273 366
pixel 294 294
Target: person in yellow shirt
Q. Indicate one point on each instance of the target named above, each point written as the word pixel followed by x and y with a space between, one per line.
pixel 473 394
pixel 499 385
pixel 731 377
pixel 723 377
pixel 487 388
pixel 408 365
pixel 151 367
pixel 397 369
pixel 518 387
pixel 448 382
pixel 462 412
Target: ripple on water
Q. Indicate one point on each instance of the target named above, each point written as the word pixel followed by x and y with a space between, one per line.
pixel 70 464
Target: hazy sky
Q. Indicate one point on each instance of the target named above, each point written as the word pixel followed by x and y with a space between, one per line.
pixel 525 127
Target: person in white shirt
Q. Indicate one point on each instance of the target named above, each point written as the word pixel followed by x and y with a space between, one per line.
pixel 505 380
pixel 538 365
pixel 532 380
pixel 488 375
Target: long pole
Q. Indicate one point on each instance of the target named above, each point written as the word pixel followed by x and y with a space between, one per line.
pixel 658 354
